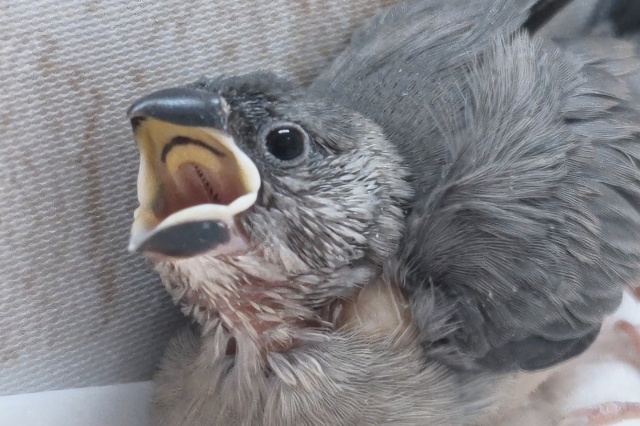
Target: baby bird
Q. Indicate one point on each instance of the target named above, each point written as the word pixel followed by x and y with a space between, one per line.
pixel 448 210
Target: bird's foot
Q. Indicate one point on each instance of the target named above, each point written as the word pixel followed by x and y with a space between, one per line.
pixel 609 413
pixel 633 334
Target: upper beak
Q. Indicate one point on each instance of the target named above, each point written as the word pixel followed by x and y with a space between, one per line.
pixel 193 178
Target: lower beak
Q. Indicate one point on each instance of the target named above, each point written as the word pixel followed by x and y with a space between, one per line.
pixel 193 180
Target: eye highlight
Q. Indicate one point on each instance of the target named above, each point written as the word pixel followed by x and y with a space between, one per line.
pixel 288 143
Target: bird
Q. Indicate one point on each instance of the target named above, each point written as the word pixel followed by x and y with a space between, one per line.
pixel 447 211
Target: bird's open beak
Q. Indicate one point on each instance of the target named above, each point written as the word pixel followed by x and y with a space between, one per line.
pixel 193 179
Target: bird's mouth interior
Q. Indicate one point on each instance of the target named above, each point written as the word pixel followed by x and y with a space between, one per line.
pixel 189 174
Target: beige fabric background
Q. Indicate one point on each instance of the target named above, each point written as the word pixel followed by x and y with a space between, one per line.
pixel 76 308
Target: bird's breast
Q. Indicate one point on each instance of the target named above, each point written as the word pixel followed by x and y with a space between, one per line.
pixel 378 309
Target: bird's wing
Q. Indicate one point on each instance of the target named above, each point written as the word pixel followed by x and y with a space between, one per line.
pixel 524 155
pixel 534 227
pixel 410 60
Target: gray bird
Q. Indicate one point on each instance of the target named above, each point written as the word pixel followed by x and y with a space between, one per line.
pixel 450 206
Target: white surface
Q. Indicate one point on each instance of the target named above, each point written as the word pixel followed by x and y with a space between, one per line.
pixel 117 405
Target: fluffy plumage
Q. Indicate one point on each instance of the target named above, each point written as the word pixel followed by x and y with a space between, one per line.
pixel 364 375
pixel 531 150
pixel 483 180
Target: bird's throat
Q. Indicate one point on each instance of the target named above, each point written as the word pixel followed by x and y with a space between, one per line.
pixel 274 320
pixel 268 314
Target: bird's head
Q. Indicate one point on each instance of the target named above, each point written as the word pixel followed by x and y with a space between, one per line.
pixel 260 206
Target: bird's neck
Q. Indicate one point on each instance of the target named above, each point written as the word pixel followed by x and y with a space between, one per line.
pixel 261 303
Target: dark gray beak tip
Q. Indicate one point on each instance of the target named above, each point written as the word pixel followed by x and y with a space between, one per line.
pixel 182 106
pixel 186 239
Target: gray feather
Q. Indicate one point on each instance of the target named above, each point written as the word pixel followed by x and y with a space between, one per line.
pixel 523 156
pixel 349 380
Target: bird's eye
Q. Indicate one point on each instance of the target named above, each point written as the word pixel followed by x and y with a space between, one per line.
pixel 287 143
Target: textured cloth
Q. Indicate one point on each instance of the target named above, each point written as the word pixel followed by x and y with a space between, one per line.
pixel 76 308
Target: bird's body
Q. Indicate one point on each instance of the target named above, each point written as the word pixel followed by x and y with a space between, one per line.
pixel 451 207
pixel 362 375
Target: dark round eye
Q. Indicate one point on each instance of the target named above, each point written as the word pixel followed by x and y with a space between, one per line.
pixel 286 143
